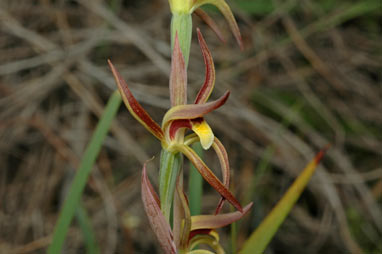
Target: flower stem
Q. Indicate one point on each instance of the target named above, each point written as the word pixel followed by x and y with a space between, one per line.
pixel 170 164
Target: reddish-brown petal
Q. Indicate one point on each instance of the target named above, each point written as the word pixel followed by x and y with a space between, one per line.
pixel 208 175
pixel 134 107
pixel 178 124
pixel 224 165
pixel 223 159
pixel 210 22
pixel 217 221
pixel 157 220
pixel 178 76
pixel 209 82
pixel 192 111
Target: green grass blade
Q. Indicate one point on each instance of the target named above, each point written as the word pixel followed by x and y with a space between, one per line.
pixel 195 184
pixel 87 231
pixel 74 195
pixel 261 237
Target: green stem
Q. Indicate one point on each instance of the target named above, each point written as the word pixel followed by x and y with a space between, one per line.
pixel 170 164
pixel 74 195
pixel 195 184
pixel 181 24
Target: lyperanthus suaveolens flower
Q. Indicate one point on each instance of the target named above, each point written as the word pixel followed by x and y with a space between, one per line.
pixel 189 231
pixel 190 6
pixel 182 116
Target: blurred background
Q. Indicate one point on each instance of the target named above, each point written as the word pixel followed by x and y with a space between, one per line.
pixel 310 75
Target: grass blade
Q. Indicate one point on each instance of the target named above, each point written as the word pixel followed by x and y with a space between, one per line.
pixel 261 237
pixel 74 195
pixel 87 231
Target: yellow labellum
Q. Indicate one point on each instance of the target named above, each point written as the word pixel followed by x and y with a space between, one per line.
pixel 203 130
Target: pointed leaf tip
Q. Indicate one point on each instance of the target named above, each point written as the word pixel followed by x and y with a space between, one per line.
pixel 321 154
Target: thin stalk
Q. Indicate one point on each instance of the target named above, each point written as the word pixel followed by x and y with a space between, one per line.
pixel 87 230
pixel 74 195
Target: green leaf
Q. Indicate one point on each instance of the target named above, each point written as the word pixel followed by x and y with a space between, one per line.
pixel 260 238
pixel 74 195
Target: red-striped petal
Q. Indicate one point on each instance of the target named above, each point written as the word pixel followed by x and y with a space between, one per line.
pixel 223 159
pixel 209 176
pixel 178 124
pixel 192 111
pixel 224 165
pixel 178 76
pixel 209 82
pixel 134 107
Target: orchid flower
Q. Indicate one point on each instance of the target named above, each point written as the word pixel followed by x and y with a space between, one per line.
pixel 190 6
pixel 182 116
pixel 191 230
